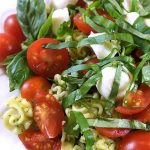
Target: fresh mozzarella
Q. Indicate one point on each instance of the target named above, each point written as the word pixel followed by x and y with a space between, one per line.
pixel 104 49
pixel 131 17
pixel 7 7
pixel 126 4
pixel 147 22
pixel 59 16
pixel 59 4
pixel 104 86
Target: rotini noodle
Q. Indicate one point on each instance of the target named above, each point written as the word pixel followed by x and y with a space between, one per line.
pixel 19 115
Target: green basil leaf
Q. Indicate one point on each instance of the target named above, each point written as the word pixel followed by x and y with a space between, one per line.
pixel 18 71
pixel 82 122
pixel 45 30
pixel 92 40
pixel 80 93
pixel 146 75
pixel 118 123
pixel 31 15
pixel 146 5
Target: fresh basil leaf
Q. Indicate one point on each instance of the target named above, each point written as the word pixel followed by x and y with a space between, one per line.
pixel 146 75
pixel 146 5
pixel 92 40
pixel 134 6
pixel 80 93
pixel 64 30
pixel 18 71
pixel 118 123
pixel 85 129
pixel 70 126
pixel 31 15
pixel 45 30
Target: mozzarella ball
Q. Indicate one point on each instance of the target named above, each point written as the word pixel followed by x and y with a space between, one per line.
pixel 59 16
pixel 131 17
pixel 104 49
pixel 147 22
pixel 104 86
pixel 59 4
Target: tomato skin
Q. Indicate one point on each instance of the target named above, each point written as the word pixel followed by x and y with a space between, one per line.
pixel 47 62
pixel 81 25
pixel 33 139
pixel 90 61
pixel 81 3
pixel 49 116
pixel 113 133
pixel 12 27
pixel 103 13
pixel 139 99
pixel 137 140
pixel 8 46
pixel 34 88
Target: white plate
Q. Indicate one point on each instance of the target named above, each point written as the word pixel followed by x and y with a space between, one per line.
pixel 8 140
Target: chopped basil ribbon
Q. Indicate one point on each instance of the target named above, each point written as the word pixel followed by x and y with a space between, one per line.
pixel 124 25
pixel 92 40
pixel 125 59
pixel 85 129
pixel 80 93
pixel 110 104
pixel 118 123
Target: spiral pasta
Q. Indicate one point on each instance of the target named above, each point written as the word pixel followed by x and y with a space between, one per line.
pixel 19 115
pixel 60 88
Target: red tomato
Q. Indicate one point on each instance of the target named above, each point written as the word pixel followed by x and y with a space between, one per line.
pixel 35 88
pixel 81 25
pixel 47 62
pixel 8 46
pixel 49 116
pixel 139 99
pixel 57 145
pixel 12 27
pixel 81 3
pixel 144 116
pixel 103 13
pixel 138 140
pixel 113 132
pixel 36 141
pixel 91 61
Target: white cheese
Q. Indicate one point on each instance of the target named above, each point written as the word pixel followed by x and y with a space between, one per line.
pixel 131 17
pixel 59 4
pixel 59 16
pixel 147 22
pixel 105 85
pixel 104 49
pixel 127 4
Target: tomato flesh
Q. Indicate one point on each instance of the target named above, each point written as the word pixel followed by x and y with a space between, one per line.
pixel 34 88
pixel 47 62
pixel 34 140
pixel 12 27
pixel 81 25
pixel 49 116
pixel 138 101
pixel 113 132
pixel 138 140
pixel 8 46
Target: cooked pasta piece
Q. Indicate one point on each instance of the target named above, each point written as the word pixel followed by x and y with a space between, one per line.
pixel 19 115
pixel 60 88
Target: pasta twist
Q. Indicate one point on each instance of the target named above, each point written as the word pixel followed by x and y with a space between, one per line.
pixel 19 115
pixel 60 88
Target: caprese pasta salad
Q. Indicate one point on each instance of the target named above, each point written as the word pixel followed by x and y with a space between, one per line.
pixel 83 71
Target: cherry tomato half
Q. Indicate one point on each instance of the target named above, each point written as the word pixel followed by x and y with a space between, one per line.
pixel 12 27
pixel 138 101
pixel 8 46
pixel 34 88
pixel 47 62
pixel 34 140
pixel 113 132
pixel 138 140
pixel 81 25
pixel 49 116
